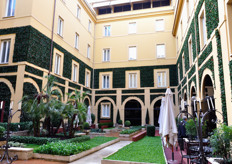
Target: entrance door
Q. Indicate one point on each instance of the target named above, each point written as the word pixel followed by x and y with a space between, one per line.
pixel 157 112
pixel 133 112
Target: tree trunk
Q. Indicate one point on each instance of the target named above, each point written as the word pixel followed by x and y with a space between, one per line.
pixel 64 130
pixel 71 126
pixel 58 127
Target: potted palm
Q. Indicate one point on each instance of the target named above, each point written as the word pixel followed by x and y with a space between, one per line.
pixel 220 142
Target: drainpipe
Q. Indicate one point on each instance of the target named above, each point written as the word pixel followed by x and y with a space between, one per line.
pixel 54 12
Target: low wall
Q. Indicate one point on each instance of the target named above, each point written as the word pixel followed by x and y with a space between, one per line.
pixel 23 153
pixel 20 133
pixel 104 161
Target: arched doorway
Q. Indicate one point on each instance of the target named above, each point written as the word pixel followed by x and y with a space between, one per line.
pixel 5 96
pixel 133 112
pixel 208 90
pixel 157 112
pixel 86 102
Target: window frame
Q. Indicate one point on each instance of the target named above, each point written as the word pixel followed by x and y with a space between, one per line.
pixel 202 27
pixel 87 81
pixel 106 55
pixel 161 57
pixel 7 51
pixel 156 23
pixel 102 110
pixel 107 31
pixel 89 26
pixel 129 55
pixel 74 63
pixel 183 64
pixel 10 37
pixel 57 52
pixel 156 71
pixel 12 12
pixel 101 74
pixel 88 51
pixel 77 41
pixel 190 49
pixel 105 81
pixel 134 30
pixel 78 12
pixel 60 26
pixel 137 72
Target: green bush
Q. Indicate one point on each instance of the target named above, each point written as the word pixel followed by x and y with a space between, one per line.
pixel 109 124
pixel 33 140
pixel 18 126
pixel 86 125
pixel 2 130
pixel 151 131
pixel 120 122
pixel 16 144
pixel 78 139
pixel 62 148
pixel 128 131
pixel 191 128
pixel 93 117
pixel 127 123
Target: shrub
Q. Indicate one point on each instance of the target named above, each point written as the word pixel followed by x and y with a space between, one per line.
pixel 86 125
pixel 93 118
pixel 120 122
pixel 128 131
pixel 18 126
pixel 109 124
pixel 78 139
pixel 127 123
pixel 2 130
pixel 62 148
pixel 33 140
pixel 16 144
pixel 151 131
pixel 191 128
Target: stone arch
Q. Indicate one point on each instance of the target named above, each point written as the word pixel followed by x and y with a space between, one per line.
pixel 152 108
pixel 59 90
pixel 155 100
pixel 132 98
pixel 29 80
pixel 204 74
pixel 8 83
pixel 88 99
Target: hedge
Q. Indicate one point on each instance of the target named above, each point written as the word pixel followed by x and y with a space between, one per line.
pixel 78 139
pixel 33 140
pixel 18 126
pixel 109 124
pixel 151 131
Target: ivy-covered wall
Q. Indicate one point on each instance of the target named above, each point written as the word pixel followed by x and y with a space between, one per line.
pixel 146 75
pixel 231 74
pixel 5 95
pixel 111 111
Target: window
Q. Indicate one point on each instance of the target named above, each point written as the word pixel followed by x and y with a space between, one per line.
pixel 4 51
pixel 10 8
pixel 57 64
pixel 181 30
pixel 87 79
pixel 88 51
pixel 132 80
pixel 105 110
pixel 106 30
pixel 159 25
pixel 77 41
pixel 105 81
pixel 89 27
pixel 202 24
pixel 160 51
pixel 60 26
pixel 132 53
pixel 190 51
pixel 75 72
pixel 161 79
pixel 132 28
pixel 106 55
pixel 78 12
pixel 183 64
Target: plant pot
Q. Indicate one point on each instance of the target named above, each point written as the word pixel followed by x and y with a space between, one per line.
pixel 119 125
pixel 86 131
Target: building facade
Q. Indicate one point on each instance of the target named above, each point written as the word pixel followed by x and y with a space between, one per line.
pixel 125 54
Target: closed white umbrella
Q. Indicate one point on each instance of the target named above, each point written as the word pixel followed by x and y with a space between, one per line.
pixel 161 116
pixel 169 132
pixel 169 122
pixel 89 119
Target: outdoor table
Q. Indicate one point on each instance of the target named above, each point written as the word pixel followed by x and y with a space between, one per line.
pixel 207 149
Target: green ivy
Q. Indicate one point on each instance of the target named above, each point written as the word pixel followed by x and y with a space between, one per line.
pixel 33 71
pixel 221 75
pixel 106 92
pixel 38 81
pixel 193 79
pixel 179 87
pixel 184 81
pixel 192 71
pixel 205 53
pixel 112 97
pixel 141 97
pixel 153 97
pixel 231 74
pixel 133 91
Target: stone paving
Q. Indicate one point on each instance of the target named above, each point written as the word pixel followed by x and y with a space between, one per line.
pixel 96 157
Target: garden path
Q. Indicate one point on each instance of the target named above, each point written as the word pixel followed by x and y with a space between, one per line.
pixel 96 157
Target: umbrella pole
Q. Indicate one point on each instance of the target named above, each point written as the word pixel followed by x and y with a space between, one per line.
pixel 172 153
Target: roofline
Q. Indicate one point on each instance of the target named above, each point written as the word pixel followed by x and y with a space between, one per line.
pixel 177 16
pixel 86 5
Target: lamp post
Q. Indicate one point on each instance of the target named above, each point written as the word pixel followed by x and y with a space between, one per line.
pixel 200 118
pixel 8 133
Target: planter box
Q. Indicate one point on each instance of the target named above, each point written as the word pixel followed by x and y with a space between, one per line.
pixel 127 136
pixel 93 134
pixel 73 157
pixel 23 153
pixel 213 160
pixel 105 161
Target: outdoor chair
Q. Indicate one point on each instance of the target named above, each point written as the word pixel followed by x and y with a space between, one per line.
pixel 189 155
